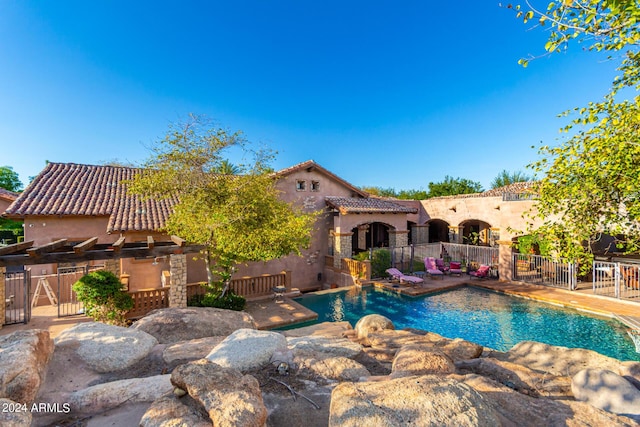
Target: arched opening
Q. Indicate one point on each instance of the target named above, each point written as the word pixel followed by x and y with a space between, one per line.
pixel 438 231
pixel 476 232
pixel 370 235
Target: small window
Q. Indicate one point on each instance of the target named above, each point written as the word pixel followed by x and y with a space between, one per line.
pixel 301 185
pixel 315 185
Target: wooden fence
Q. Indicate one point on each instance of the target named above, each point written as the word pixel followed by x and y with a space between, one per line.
pixel 146 300
pixel 359 269
pixel 250 287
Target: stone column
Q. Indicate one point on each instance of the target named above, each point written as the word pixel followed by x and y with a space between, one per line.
pixel 112 265
pixel 420 234
pixel 505 263
pixel 178 280
pixel 362 236
pixel 398 238
pixel 2 295
pixel 342 248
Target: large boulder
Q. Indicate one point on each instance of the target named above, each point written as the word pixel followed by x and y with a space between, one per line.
pixel 230 398
pixel 107 348
pixel 607 390
pixel 429 400
pixel 186 351
pixel 557 360
pixel 247 349
pixel 324 329
pixel 24 356
pixel 372 323
pixel 457 349
pixel 519 378
pixel 171 325
pixel 421 360
pixel 321 345
pixel 333 368
pixel 14 414
pixel 517 409
pixel 106 396
pixel 173 411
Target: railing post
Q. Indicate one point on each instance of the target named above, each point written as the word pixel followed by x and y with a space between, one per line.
pixel 287 279
pixel 616 270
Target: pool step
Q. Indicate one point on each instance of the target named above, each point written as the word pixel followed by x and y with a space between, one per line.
pixel 631 321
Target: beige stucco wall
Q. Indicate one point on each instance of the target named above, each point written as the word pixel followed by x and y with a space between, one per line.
pixel 492 210
pixel 305 268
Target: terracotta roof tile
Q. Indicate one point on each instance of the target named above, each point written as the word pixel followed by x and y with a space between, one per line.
pixel 370 205
pixel 8 195
pixel 88 190
pixel 515 188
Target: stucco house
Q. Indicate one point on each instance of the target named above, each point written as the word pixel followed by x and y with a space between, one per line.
pixel 77 202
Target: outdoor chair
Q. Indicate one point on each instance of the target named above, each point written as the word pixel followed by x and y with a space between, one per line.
pixel 431 268
pixel 455 268
pixel 482 272
pixel 399 275
pixel 440 265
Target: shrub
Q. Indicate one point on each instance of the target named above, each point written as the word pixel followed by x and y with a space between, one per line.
pixel 103 297
pixel 229 301
pixel 380 261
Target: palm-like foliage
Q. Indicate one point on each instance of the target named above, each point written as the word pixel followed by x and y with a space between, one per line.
pixel 505 178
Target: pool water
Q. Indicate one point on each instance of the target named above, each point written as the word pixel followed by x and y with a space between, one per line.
pixel 488 318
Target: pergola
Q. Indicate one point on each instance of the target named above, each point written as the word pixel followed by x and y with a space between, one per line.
pixel 66 251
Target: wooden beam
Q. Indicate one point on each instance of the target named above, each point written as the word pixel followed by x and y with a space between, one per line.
pixel 150 242
pixel 118 244
pixel 178 241
pixel 49 247
pixel 16 247
pixel 87 244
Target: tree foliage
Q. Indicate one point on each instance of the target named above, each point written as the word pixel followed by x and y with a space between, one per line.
pixel 238 217
pixel 453 186
pixel 9 179
pixel 592 178
pixel 505 178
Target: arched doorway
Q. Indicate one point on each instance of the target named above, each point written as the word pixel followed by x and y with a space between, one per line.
pixel 476 232
pixel 438 231
pixel 370 235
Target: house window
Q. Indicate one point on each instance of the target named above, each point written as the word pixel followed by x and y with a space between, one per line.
pixel 301 185
pixel 315 185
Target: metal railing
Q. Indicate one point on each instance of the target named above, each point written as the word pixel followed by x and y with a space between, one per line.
pixel 540 270
pixel 616 279
pixel 411 258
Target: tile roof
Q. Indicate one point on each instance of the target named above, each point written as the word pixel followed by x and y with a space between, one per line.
pixel 8 195
pixel 86 190
pixel 515 188
pixel 310 164
pixel 370 205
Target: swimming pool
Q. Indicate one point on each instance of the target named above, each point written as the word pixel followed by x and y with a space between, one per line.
pixel 485 317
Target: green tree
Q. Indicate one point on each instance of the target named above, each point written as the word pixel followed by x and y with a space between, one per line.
pixel 505 178
pixel 452 186
pixel 9 179
pixel 381 192
pixel 228 168
pixel 238 218
pixel 591 178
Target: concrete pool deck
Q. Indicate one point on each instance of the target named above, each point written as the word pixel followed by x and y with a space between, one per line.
pixel 269 313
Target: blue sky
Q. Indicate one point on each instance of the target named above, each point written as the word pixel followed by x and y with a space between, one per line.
pixel 382 93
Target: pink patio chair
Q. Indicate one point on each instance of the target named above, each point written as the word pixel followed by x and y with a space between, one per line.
pixel 440 265
pixel 482 272
pixel 455 268
pixel 399 275
pixel 431 268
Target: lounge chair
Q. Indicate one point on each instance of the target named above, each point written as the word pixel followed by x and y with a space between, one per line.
pixel 431 268
pixel 455 268
pixel 440 265
pixel 399 275
pixel 481 272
